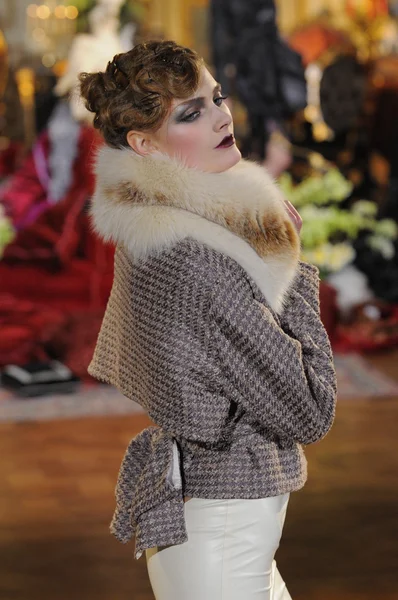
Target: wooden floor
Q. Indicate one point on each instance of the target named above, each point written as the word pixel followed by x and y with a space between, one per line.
pixel 56 500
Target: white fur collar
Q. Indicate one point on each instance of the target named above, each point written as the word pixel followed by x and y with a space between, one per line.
pixel 149 204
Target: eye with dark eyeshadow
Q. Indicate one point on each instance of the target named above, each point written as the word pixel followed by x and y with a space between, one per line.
pixel 220 99
pixel 194 115
pixel 190 117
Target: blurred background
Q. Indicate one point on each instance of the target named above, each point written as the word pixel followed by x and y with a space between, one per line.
pixel 313 88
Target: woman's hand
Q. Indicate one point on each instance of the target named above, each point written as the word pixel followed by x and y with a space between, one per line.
pixel 294 215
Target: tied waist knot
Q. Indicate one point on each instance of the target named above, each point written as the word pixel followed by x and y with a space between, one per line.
pixel 149 494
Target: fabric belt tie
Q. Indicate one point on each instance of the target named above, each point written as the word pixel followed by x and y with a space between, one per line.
pixel 149 494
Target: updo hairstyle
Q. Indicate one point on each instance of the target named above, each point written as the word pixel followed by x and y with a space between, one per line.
pixel 137 88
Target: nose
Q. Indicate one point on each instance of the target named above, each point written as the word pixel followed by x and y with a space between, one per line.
pixel 222 121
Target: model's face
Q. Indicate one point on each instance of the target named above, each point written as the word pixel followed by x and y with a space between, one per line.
pixel 199 131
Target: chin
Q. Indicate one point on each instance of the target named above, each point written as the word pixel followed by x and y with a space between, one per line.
pixel 228 160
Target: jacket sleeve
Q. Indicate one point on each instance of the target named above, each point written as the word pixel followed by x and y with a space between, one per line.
pixel 280 369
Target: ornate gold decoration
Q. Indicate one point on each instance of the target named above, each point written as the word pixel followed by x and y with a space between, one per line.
pixel 25 79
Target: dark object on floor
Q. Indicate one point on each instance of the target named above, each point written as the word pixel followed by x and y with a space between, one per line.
pixel 38 379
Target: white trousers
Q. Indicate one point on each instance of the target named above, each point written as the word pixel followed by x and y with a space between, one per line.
pixel 229 554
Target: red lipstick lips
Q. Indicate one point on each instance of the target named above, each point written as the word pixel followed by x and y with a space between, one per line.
pixel 228 141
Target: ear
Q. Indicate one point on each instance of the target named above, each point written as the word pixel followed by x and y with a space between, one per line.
pixel 141 142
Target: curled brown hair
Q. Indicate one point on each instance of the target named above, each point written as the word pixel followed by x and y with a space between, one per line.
pixel 136 89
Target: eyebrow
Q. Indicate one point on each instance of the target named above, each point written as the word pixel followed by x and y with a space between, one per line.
pixel 198 101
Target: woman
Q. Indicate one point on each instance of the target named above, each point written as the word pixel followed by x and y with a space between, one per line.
pixel 212 326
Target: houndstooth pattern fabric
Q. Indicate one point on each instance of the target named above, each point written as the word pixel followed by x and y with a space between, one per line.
pixel 148 505
pixel 239 389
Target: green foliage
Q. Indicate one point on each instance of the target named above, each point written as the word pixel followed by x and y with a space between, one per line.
pixel 318 190
pixel 328 230
pixel 7 233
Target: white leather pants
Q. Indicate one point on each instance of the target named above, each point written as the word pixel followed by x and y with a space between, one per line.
pixel 229 554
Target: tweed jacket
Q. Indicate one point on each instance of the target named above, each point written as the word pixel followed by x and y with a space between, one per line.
pixel 213 327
